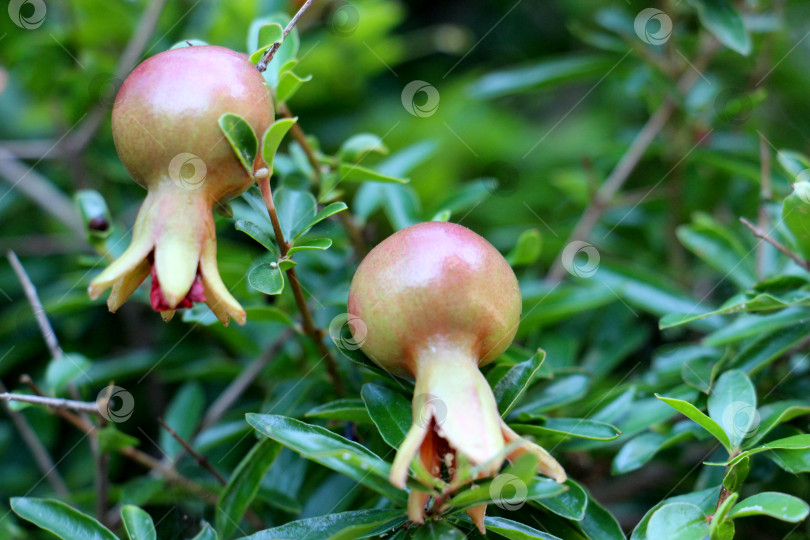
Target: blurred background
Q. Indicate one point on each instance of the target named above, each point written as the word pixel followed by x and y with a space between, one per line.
pixel 510 115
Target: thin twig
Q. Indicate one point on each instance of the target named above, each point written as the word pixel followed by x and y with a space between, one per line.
pixel 199 458
pixel 38 451
pixel 269 53
pixel 315 333
pixel 39 312
pixel 167 471
pixel 759 233
pixel 764 196
pixel 53 403
pixel 243 381
pixel 628 162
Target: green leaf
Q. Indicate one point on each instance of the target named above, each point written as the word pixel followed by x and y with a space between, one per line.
pixel 769 503
pixel 357 147
pixel 541 75
pixel 389 411
pixel 705 499
pixel 442 215
pixel 110 439
pixel 678 521
pixel 506 490
pixel 183 415
pixel 570 504
pixel 694 414
pixel 351 172
pixel 793 162
pixel 513 385
pixel 749 326
pixel 721 19
pixel 243 486
pixel 793 461
pixel 242 139
pixel 350 410
pixel 268 314
pixel 733 405
pixel 327 211
pixel 206 533
pixel 527 250
pixel 268 34
pixel 288 84
pixel 310 243
pixel 744 302
pixel 551 395
pixel 512 530
pixel 272 138
pixel 773 414
pixel 794 442
pixel 267 278
pixel 62 371
pixel 295 209
pixel 582 428
pixel 438 530
pixel 137 523
pixel 330 450
pixel 285 53
pixel 60 519
pixel 326 526
pixel 598 522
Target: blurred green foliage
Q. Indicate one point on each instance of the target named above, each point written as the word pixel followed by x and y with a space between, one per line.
pixel 519 113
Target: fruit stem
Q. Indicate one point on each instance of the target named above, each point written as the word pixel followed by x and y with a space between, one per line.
pixel 759 233
pixel 310 328
pixel 268 55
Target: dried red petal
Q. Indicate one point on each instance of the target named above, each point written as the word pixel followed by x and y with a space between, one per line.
pixel 194 295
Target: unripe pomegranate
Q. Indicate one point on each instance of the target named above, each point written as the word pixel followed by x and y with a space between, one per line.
pixel 437 301
pixel 166 131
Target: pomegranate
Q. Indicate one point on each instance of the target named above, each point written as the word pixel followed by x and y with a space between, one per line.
pixel 166 132
pixel 437 301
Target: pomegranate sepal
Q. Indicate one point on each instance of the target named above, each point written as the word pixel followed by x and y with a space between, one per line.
pixel 546 463
pixel 477 515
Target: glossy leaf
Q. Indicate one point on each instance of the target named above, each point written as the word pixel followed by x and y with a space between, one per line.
pixel 570 504
pixel 137 523
pixel 776 505
pixel 325 526
pixel 733 405
pixel 571 427
pixel 267 278
pixel 389 411
pixel 695 414
pixel 725 22
pixel 295 210
pixel 527 250
pixel 242 139
pixel 327 211
pixel 310 243
pixel 330 450
pixel 258 234
pixel 243 485
pixel 60 519
pixel 678 521
pixel 350 172
pixel 272 138
pixel 357 147
pixel 349 409
pixel 511 387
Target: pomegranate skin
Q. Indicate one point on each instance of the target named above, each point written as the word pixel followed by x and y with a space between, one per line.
pixel 170 105
pixel 430 285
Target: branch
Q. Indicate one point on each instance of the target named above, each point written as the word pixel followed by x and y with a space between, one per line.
pixel 199 458
pixel 168 472
pixel 628 162
pixel 315 333
pixel 39 312
pixel 759 233
pixel 269 53
pixel 765 196
pixel 38 451
pixel 53 403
